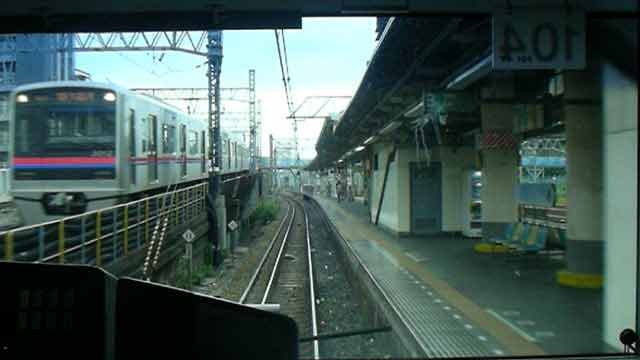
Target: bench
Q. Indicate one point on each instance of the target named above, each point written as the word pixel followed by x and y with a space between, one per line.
pixel 535 240
pixel 512 235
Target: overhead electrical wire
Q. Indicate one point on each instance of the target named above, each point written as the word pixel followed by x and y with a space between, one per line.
pixel 286 79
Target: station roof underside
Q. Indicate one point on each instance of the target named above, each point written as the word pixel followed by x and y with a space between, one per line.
pixel 412 54
pixel 416 55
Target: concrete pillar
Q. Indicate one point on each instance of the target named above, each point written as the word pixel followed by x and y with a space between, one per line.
pixel 394 214
pixel 221 214
pixel 499 169
pixel 583 126
pixel 455 162
pixel 620 117
pixel 252 201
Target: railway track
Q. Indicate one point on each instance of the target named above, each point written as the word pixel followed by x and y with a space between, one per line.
pixel 284 275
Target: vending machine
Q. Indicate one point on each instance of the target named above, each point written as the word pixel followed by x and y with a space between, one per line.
pixel 472 204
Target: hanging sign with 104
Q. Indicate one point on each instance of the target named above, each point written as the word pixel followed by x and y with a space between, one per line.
pixel 551 38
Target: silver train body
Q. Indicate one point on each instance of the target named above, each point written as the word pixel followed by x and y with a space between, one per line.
pixel 79 146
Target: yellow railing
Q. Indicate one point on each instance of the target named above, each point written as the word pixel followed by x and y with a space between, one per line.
pixel 103 229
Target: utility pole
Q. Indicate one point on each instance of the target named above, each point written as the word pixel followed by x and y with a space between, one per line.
pixel 271 162
pixel 275 165
pixel 252 121
pixel 214 65
pixel 295 141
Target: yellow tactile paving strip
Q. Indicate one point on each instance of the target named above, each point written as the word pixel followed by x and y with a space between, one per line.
pixel 512 341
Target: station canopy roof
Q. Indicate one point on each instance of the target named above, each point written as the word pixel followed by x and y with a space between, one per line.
pixel 413 54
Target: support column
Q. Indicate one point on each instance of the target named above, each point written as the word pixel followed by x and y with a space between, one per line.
pixel 221 215
pixel 499 169
pixel 455 162
pixel 620 117
pixel 583 126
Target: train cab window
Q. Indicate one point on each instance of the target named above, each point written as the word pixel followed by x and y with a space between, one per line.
pixel 168 139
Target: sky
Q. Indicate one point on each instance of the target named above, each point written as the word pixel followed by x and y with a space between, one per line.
pixel 326 57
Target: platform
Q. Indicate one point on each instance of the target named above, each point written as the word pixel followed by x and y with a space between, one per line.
pixel 487 305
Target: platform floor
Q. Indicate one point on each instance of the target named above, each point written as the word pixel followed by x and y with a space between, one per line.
pixel 461 303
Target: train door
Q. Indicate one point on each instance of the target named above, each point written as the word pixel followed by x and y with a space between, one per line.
pixel 183 150
pixel 152 153
pixel 426 198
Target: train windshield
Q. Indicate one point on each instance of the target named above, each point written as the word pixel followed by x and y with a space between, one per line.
pixel 60 123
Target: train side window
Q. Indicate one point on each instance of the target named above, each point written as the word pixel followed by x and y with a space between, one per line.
pixel 168 139
pixel 183 149
pixel 235 153
pixel 193 142
pixel 132 145
pixel 183 138
pixel 375 162
pixel 229 153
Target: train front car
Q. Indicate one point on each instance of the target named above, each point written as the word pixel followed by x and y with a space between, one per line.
pixel 63 151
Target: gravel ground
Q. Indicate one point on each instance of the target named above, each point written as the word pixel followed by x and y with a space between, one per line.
pixel 233 276
pixel 337 307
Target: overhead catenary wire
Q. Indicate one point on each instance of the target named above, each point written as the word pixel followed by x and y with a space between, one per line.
pixel 286 66
pixel 286 78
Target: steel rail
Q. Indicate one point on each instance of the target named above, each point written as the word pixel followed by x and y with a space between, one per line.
pixel 254 277
pixel 274 271
pixel 403 319
pixel 312 296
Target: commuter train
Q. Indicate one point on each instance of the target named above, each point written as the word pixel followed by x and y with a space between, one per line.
pixel 78 146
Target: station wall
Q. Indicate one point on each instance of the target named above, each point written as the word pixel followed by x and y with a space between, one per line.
pixel 396 209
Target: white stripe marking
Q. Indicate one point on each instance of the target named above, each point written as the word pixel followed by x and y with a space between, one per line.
pixel 544 334
pixel 525 322
pixel 414 258
pixel 512 326
pixel 468 326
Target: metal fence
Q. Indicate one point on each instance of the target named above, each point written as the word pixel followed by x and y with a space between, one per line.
pixel 552 217
pixel 99 237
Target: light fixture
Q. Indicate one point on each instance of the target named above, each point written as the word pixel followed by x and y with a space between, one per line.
pixel 389 128
pixel 359 148
pixel 370 140
pixel 22 98
pixel 109 97
pixel 477 173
